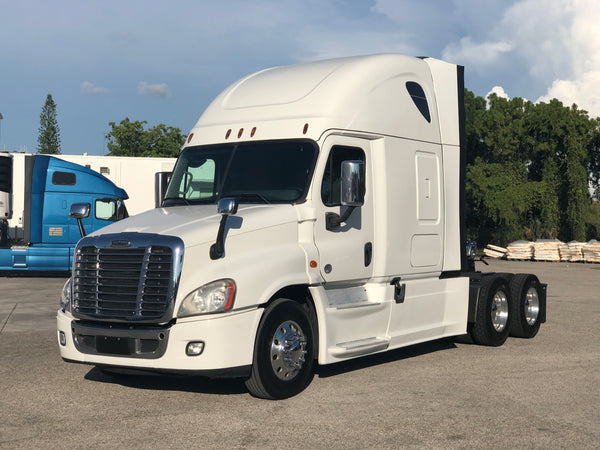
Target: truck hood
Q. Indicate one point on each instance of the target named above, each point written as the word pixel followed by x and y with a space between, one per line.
pixel 198 224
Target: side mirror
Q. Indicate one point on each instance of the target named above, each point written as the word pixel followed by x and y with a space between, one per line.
pixel 353 183
pixel 161 181
pixel 80 211
pixel 352 192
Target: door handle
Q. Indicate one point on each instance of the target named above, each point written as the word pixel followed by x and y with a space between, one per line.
pixel 399 290
pixel 368 254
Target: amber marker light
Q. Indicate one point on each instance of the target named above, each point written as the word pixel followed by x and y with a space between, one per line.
pixel 253 132
pixel 228 134
pixel 240 133
pixel 313 264
pixel 305 130
pixel 190 137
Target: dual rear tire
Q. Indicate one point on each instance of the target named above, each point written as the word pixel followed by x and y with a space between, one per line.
pixel 493 319
pixel 526 308
pixel 507 308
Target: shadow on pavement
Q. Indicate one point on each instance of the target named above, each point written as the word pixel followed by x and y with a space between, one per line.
pixel 225 386
pixel 383 358
pixel 195 384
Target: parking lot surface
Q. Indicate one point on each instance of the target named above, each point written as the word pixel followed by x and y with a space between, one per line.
pixel 538 393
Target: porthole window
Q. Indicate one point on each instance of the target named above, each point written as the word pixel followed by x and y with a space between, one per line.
pixel 418 97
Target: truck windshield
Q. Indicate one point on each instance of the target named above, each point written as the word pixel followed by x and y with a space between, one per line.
pixel 257 172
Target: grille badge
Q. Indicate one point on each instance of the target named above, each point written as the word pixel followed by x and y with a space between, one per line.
pixel 120 243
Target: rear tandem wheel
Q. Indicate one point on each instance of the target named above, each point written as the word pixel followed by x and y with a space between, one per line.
pixel 526 306
pixel 493 319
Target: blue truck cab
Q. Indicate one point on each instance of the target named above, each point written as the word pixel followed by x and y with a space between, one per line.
pixel 49 235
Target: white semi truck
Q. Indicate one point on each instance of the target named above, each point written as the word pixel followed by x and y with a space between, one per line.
pixel 315 214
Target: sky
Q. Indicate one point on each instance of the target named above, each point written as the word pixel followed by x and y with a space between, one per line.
pixel 164 62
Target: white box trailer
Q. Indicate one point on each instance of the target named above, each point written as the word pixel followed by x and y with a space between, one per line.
pixel 340 232
pixel 134 174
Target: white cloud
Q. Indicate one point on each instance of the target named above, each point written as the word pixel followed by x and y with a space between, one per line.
pixel 90 88
pixel 499 91
pixel 582 91
pixel 553 43
pixel 476 54
pixel 157 90
pixel 580 83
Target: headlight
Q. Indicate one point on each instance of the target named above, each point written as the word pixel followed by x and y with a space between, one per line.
pixel 65 295
pixel 210 298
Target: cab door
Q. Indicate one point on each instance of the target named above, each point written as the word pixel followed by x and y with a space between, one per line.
pixel 345 251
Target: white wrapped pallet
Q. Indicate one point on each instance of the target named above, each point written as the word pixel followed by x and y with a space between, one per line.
pixel 571 251
pixel 520 250
pixel 591 251
pixel 546 250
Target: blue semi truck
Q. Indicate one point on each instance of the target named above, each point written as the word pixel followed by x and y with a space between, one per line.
pixel 45 188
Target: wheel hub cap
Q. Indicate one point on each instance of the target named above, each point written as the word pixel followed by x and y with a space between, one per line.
pixel 288 349
pixel 532 306
pixel 499 311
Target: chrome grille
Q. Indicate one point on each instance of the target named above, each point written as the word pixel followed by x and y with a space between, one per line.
pixel 123 283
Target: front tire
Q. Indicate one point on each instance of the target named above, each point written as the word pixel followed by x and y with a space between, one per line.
pixel 492 324
pixel 526 306
pixel 283 352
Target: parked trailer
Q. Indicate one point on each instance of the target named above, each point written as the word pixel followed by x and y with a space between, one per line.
pixel 340 232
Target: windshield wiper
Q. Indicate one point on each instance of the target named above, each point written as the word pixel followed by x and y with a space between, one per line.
pixel 178 198
pixel 249 195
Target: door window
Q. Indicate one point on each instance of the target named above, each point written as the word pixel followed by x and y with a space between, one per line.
pixel 110 209
pixel 331 186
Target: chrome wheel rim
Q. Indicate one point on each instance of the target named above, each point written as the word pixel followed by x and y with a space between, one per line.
pixel 532 306
pixel 499 311
pixel 288 350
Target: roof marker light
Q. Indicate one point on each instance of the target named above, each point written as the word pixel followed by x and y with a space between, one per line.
pixel 240 133
pixel 305 130
pixel 190 137
pixel 253 132
pixel 228 134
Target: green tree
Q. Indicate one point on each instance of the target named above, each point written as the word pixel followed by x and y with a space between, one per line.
pixel 131 139
pixel 49 133
pixel 528 170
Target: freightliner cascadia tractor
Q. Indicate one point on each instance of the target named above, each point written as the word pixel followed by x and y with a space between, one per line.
pixel 315 214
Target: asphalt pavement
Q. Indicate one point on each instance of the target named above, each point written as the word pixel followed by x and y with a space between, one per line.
pixel 529 393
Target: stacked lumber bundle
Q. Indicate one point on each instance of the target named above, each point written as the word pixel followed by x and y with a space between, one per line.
pixel 546 250
pixel 494 251
pixel 571 251
pixel 520 250
pixel 591 251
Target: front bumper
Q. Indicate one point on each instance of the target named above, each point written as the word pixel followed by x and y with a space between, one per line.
pixel 228 344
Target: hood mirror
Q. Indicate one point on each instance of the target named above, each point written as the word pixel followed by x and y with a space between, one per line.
pixel 227 206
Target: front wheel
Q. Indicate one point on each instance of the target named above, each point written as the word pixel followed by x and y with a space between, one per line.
pixel 492 323
pixel 283 352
